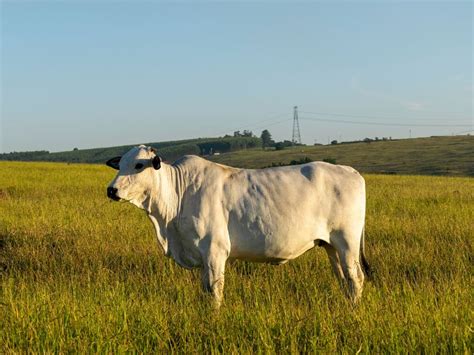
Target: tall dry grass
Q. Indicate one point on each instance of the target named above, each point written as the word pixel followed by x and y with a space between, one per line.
pixel 79 273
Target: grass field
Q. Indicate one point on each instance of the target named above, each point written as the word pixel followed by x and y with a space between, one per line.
pixel 80 274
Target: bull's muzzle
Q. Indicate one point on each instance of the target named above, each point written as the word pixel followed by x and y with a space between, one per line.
pixel 112 193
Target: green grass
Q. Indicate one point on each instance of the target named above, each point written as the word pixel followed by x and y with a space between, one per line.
pixel 419 156
pixel 82 274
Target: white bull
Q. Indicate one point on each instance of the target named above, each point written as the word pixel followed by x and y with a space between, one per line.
pixel 206 213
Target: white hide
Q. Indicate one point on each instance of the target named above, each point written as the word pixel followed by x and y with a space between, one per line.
pixel 206 213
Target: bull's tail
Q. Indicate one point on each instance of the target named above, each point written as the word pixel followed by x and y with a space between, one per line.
pixel 365 263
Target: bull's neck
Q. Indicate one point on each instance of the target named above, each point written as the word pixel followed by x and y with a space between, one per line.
pixel 165 201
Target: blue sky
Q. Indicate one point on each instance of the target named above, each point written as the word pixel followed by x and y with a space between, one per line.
pixel 103 73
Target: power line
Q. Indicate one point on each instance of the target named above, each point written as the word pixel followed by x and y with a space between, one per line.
pixel 270 121
pixel 376 117
pixel 274 123
pixel 468 131
pixel 383 123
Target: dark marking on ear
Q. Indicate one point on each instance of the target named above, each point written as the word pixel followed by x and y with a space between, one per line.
pixel 156 161
pixel 114 163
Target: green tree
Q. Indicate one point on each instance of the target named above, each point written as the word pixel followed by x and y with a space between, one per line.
pixel 266 137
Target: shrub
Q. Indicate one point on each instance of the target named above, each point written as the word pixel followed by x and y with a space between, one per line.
pixel 301 161
pixel 329 160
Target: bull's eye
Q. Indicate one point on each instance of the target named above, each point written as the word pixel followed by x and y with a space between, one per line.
pixel 139 166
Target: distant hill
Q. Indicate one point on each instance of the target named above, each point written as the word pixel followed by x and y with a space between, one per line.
pixel 445 155
pixel 442 155
pixel 170 150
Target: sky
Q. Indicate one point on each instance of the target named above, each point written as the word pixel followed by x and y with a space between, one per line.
pixel 103 73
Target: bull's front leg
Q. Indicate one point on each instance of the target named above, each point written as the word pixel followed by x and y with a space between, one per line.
pixel 213 273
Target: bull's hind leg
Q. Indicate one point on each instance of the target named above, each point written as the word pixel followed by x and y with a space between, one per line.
pixel 353 273
pixel 347 248
pixel 334 260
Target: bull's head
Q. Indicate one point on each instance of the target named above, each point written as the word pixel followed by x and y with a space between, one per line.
pixel 135 177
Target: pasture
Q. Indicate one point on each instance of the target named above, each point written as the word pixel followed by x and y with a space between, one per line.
pixel 80 274
pixel 441 155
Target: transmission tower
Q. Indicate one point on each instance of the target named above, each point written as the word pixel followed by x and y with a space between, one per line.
pixel 296 127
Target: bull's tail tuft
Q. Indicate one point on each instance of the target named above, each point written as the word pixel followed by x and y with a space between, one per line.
pixel 365 263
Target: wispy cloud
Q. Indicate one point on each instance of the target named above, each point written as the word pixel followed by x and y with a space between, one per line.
pixel 406 104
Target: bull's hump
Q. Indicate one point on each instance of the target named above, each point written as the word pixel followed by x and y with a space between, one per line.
pixel 187 159
pixel 202 164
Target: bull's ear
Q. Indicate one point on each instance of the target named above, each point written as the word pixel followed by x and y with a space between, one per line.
pixel 114 163
pixel 156 161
